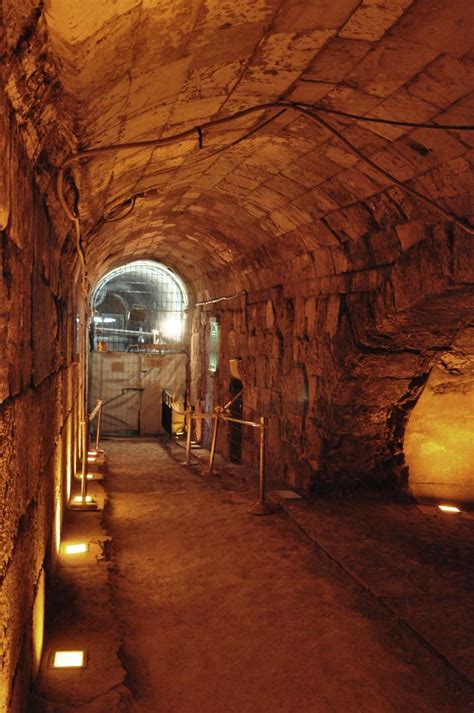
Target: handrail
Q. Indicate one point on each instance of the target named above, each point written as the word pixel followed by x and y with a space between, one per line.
pixel 97 408
pixel 261 507
pixel 240 420
pixel 97 411
pixel 234 398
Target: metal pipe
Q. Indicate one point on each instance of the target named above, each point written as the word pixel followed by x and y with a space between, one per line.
pixel 262 483
pixel 196 415
pixel 118 330
pixel 240 420
pixel 220 299
pixel 229 403
pixel 94 413
pixel 189 425
pixel 218 411
pixel 85 440
pixel 99 421
pixel 261 507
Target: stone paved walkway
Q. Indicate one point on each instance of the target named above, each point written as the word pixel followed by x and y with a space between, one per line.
pixel 222 612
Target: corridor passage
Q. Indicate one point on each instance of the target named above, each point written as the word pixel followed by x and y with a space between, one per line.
pixel 224 612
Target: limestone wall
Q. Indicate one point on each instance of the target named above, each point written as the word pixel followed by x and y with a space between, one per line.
pixel 38 385
pixel 337 365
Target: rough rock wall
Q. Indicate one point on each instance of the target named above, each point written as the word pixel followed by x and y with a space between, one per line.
pixel 38 384
pixel 337 365
pixel 439 439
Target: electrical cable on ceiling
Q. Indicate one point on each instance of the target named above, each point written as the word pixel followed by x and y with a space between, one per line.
pixel 391 122
pixel 388 175
pixel 200 160
pixel 226 298
pixel 301 107
pixel 111 216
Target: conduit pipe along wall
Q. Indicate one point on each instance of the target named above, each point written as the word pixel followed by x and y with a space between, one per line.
pixel 38 403
pixel 312 111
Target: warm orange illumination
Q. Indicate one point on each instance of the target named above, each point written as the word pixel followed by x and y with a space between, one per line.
pixel 91 459
pixel 76 549
pixel 69 659
pixel 58 519
pixel 90 476
pixel 449 508
pixel 77 499
pixel 38 623
pixel 439 438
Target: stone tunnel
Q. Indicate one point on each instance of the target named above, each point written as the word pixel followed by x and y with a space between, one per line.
pixel 302 168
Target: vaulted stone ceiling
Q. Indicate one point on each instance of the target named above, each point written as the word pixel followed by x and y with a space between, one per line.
pixel 90 73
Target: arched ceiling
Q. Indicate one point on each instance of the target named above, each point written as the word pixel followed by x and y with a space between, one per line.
pixel 130 70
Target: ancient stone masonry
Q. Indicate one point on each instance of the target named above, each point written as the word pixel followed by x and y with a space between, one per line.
pixel 337 372
pixel 37 416
pixel 325 179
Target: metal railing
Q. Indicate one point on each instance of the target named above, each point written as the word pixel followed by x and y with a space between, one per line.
pixel 97 412
pixel 261 507
pixel 85 424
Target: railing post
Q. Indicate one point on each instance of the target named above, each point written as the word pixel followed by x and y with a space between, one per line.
pixel 217 413
pixel 189 428
pixel 97 435
pixel 262 507
pixel 85 439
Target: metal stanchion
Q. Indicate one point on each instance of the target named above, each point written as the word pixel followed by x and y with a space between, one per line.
pixel 97 435
pixel 189 428
pixel 83 502
pixel 262 507
pixel 217 412
pixel 85 437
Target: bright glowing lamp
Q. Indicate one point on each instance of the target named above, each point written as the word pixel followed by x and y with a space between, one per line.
pixel 449 508
pixel 69 659
pixel 77 499
pixel 77 549
pixel 172 328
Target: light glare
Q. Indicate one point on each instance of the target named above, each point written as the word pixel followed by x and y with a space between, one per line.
pixel 449 508
pixel 78 499
pixel 172 328
pixel 68 659
pixel 75 549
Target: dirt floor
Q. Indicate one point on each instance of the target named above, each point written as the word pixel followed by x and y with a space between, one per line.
pixel 223 612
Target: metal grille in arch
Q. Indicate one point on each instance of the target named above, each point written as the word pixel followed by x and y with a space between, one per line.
pixel 138 307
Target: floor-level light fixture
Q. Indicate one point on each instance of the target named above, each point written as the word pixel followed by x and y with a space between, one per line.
pixel 78 502
pixel 448 508
pixel 76 548
pixel 68 659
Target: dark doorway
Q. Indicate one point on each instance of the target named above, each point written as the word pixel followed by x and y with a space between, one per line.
pixel 235 431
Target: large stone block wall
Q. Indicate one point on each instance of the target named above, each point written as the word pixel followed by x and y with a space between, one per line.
pixel 336 365
pixel 38 420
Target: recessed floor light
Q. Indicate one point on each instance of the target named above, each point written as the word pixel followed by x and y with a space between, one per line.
pixel 77 499
pixel 76 549
pixel 449 508
pixel 68 659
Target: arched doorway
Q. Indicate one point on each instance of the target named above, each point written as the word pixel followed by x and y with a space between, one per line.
pixel 138 346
